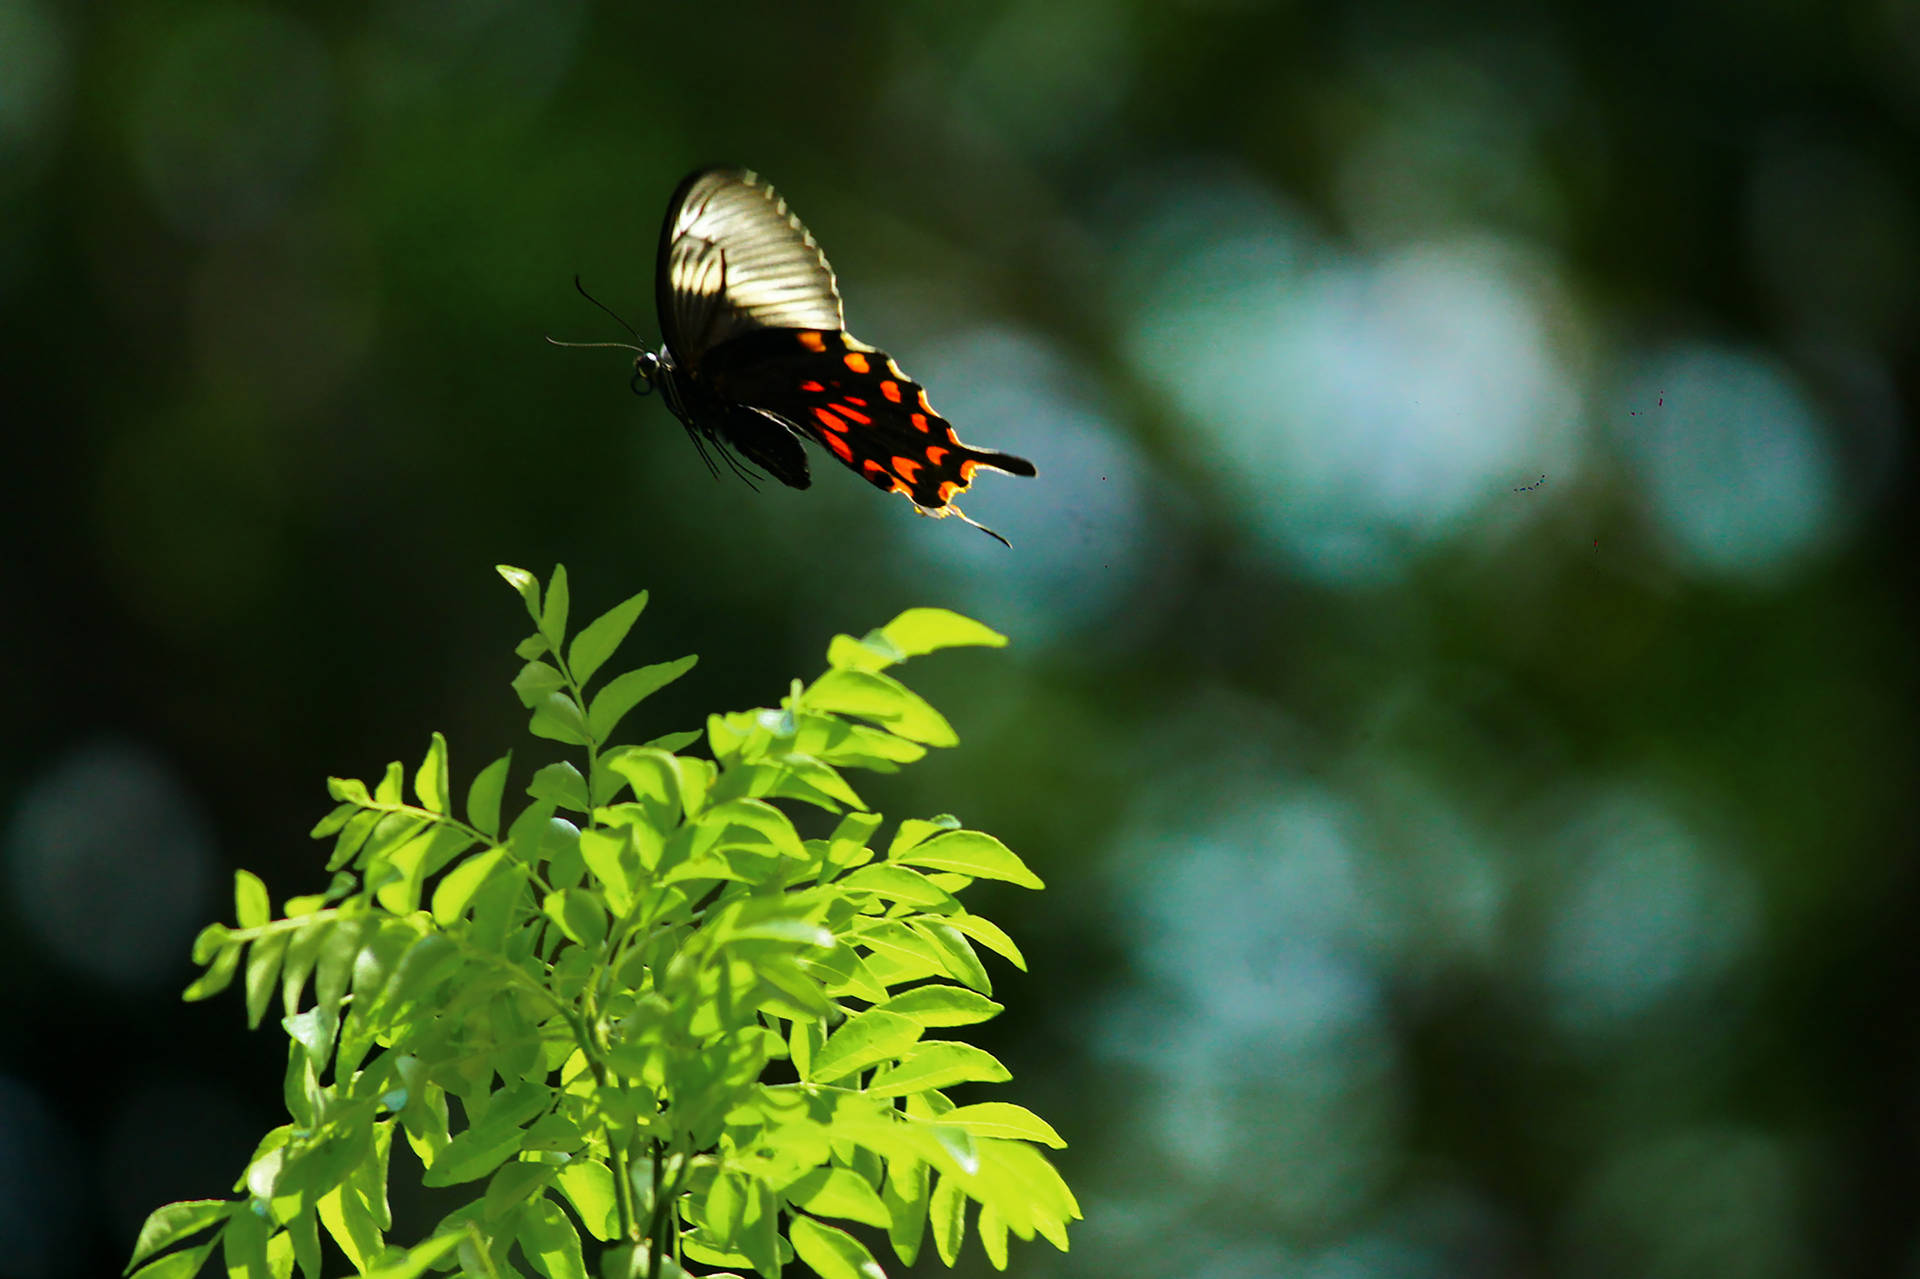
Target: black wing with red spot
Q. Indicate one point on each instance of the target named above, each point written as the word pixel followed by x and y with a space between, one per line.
pixel 858 404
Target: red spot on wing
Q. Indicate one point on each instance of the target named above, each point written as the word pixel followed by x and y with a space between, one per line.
pixel 828 420
pixel 919 421
pixel 847 410
pixel 891 390
pixel 841 449
pixel 906 468
pixel 812 388
pixel 936 455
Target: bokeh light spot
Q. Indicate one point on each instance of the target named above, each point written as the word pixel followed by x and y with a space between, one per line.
pixel 109 864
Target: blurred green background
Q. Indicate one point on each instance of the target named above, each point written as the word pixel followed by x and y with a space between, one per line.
pixel 1461 693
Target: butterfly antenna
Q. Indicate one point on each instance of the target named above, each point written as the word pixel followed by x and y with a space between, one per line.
pixel 604 307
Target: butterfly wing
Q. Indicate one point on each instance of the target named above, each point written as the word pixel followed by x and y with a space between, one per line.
pixel 860 406
pixel 735 259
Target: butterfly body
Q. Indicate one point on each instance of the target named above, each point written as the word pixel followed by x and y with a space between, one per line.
pixel 756 356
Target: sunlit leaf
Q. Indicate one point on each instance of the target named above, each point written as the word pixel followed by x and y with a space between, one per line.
pixel 524 582
pixel 483 797
pixel 937 1065
pixel 596 643
pixel 624 692
pixel 1003 1119
pixel 430 782
pixel 970 852
pixel 862 1041
pixel 831 1253
pixel 925 630
pixel 553 614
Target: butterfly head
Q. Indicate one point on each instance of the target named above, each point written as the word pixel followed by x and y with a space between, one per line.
pixel 649 369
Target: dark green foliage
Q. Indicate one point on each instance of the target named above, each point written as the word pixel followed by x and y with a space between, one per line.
pixel 598 983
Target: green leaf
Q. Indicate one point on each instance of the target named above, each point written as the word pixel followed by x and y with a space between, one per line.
pixel 872 653
pixel 993 1235
pixel 169 1224
pixel 219 973
pixel 594 645
pixel 1003 1119
pixel 607 854
pixel 905 1192
pixel 970 852
pixel 938 1065
pixel 938 1005
pixel 430 782
pixel 420 1258
pixel 925 630
pixel 456 889
pixel 263 967
pixel 388 793
pixel 753 823
pixel 563 784
pixel 489 1143
pixel 588 1186
pixel 483 797
pixel 884 700
pixel 333 821
pixel 578 914
pixel 624 692
pixel 557 718
pixel 549 1242
pixel 184 1264
pixel 956 955
pixel 349 790
pixel 674 741
pixel 988 934
pixel 350 1222
pixel 838 1192
pixel 535 682
pixel 894 882
pixel 947 1213
pixel 831 1253
pixel 861 1041
pixel 914 831
pixel 524 582
pixel 252 908
pixel 553 617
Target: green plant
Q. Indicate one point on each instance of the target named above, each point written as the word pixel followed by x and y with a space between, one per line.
pixel 606 995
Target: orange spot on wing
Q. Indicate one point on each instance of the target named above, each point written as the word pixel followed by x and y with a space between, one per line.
pixel 967 469
pixel 841 449
pixel 936 455
pixel 947 489
pixel 906 468
pixel 891 390
pixel 812 388
pixel 847 410
pixel 857 362
pixel 828 420
pixel 854 399
pixel 813 341
pixel 919 421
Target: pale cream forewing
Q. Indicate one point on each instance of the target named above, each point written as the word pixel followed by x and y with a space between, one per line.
pixel 734 259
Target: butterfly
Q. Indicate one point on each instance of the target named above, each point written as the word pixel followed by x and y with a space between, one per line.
pixel 756 356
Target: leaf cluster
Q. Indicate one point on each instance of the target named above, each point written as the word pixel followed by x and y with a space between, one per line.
pixel 643 1010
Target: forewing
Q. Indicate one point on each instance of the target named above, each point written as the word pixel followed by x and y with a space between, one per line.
pixel 734 258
